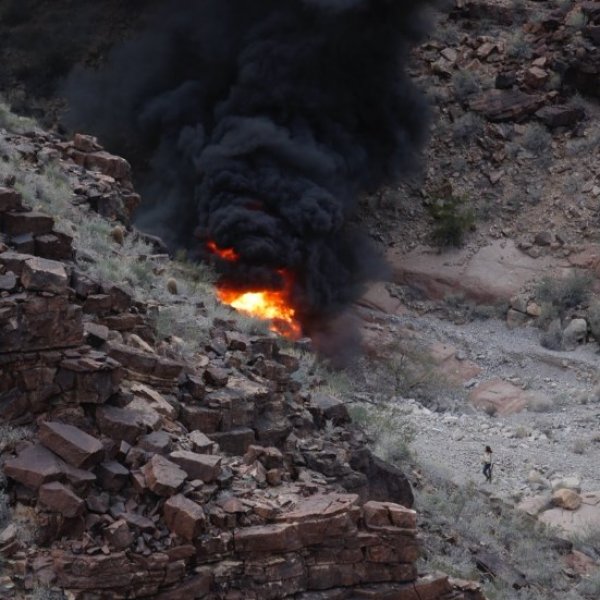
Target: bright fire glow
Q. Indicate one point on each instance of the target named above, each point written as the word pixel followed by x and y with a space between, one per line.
pixel 225 253
pixel 270 305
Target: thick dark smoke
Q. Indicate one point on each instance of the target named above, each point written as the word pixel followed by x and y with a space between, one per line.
pixel 262 122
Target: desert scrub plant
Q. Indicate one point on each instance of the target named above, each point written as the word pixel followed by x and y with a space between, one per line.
pixel 542 404
pixel 551 338
pixel 183 321
pixel 452 220
pixel 45 593
pixel 467 127
pixel 501 529
pixel 562 294
pixel 593 318
pixel 407 369
pixel 94 236
pixel 4 509
pixel 197 276
pixel 587 539
pixel 12 122
pixel 9 436
pixel 518 47
pixel 465 84
pixel 579 146
pixel 536 139
pixel 192 323
pixel 446 32
pixel 336 382
pixel 522 432
pixel 388 427
pixel 589 586
pixel 45 188
pixel 576 20
pixel 105 260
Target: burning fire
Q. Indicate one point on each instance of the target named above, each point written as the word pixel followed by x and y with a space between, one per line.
pixel 226 254
pixel 270 305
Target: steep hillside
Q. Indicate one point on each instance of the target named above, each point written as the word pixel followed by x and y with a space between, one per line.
pixel 154 443
pixel 487 332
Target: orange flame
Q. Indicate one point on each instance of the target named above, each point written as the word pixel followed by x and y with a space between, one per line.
pixel 270 305
pixel 225 253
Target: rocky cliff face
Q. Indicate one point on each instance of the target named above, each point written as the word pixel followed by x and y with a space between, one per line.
pixel 147 472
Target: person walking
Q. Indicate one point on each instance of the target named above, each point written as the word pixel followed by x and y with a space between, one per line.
pixel 487 464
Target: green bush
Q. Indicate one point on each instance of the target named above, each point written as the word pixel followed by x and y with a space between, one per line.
pixel 387 426
pixel 452 220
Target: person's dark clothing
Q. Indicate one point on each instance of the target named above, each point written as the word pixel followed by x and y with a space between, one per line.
pixel 487 465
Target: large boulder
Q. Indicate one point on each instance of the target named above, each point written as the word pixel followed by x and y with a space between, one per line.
pixel 72 444
pixel 574 334
pixel 567 499
pixel 385 482
pixel 44 275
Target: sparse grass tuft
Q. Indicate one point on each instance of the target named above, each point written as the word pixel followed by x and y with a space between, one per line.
pixel 12 122
pixel 44 593
pixel 9 436
pixel 521 432
pixel 590 585
pixel 541 405
pixel 499 529
pixel 465 84
pixel 564 294
pixel 387 425
pixel 536 139
pixel 183 321
pixel 446 33
pixel 467 127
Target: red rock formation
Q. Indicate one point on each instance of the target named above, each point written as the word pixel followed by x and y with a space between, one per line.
pixel 159 478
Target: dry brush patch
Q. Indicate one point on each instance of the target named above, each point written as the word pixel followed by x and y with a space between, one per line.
pixel 13 122
pixel 472 523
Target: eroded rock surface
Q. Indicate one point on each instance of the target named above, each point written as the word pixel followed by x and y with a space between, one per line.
pixel 155 475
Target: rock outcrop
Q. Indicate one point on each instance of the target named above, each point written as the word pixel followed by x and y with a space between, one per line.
pixel 151 475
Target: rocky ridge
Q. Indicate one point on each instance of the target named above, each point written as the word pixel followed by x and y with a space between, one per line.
pixel 147 472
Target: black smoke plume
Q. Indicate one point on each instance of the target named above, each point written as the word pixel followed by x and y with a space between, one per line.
pixel 262 122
